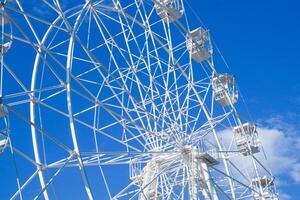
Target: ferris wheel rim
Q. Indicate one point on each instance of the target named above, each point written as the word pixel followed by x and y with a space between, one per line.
pixel 69 92
pixel 69 57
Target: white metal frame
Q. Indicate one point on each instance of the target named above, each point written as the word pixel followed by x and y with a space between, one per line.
pixel 167 117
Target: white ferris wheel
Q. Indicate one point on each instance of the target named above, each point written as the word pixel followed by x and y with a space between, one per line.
pixel 109 99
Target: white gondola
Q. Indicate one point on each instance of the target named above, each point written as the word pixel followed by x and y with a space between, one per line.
pixel 246 139
pixel 169 10
pixel 224 89
pixel 3 143
pixel 199 45
pixel 268 187
pixel 263 181
pixel 4 48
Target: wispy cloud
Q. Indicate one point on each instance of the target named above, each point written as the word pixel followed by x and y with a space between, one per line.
pixel 280 138
pixel 284 196
pixel 282 150
pixel 41 9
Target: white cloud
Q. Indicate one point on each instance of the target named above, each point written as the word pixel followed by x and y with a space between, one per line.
pixel 282 144
pixel 280 150
pixel 295 173
pixel 284 196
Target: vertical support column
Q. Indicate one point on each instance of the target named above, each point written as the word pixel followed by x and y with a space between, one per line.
pixel 208 190
pixel 200 177
pixel 149 185
pixel 193 176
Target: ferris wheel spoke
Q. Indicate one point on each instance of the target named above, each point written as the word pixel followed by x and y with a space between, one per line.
pixel 98 18
pixel 158 61
pixel 235 180
pixel 138 81
pixel 30 16
pixel 246 178
pixel 51 179
pixel 173 184
pixel 122 76
pixel 165 81
pixel 170 185
pixel 207 128
pixel 96 125
pixel 92 159
pixel 163 93
pixel 26 157
pixel 162 171
pixel 176 77
pixel 37 50
pixel 14 76
pixel 24 185
pixel 193 88
pixel 200 111
pixel 28 22
pixel 111 90
pixel 130 96
pixel 219 188
pixel 22 40
pixel 100 104
pixel 40 130
pixel 90 126
pixel 81 122
pixel 131 32
pixel 26 93
pixel 126 191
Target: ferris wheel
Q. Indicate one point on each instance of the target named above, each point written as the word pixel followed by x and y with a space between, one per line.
pixel 125 101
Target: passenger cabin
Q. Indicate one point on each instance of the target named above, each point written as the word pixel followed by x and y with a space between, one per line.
pixel 268 188
pixel 199 45
pixel 224 89
pixel 246 139
pixel 3 143
pixel 169 10
pixel 4 48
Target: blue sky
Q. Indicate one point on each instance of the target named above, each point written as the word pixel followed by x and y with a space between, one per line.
pixel 260 42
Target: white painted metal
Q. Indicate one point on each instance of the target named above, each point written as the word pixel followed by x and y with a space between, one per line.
pixel 169 10
pixel 269 191
pixel 4 127
pixel 224 90
pixel 129 84
pixel 199 45
pixel 246 139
